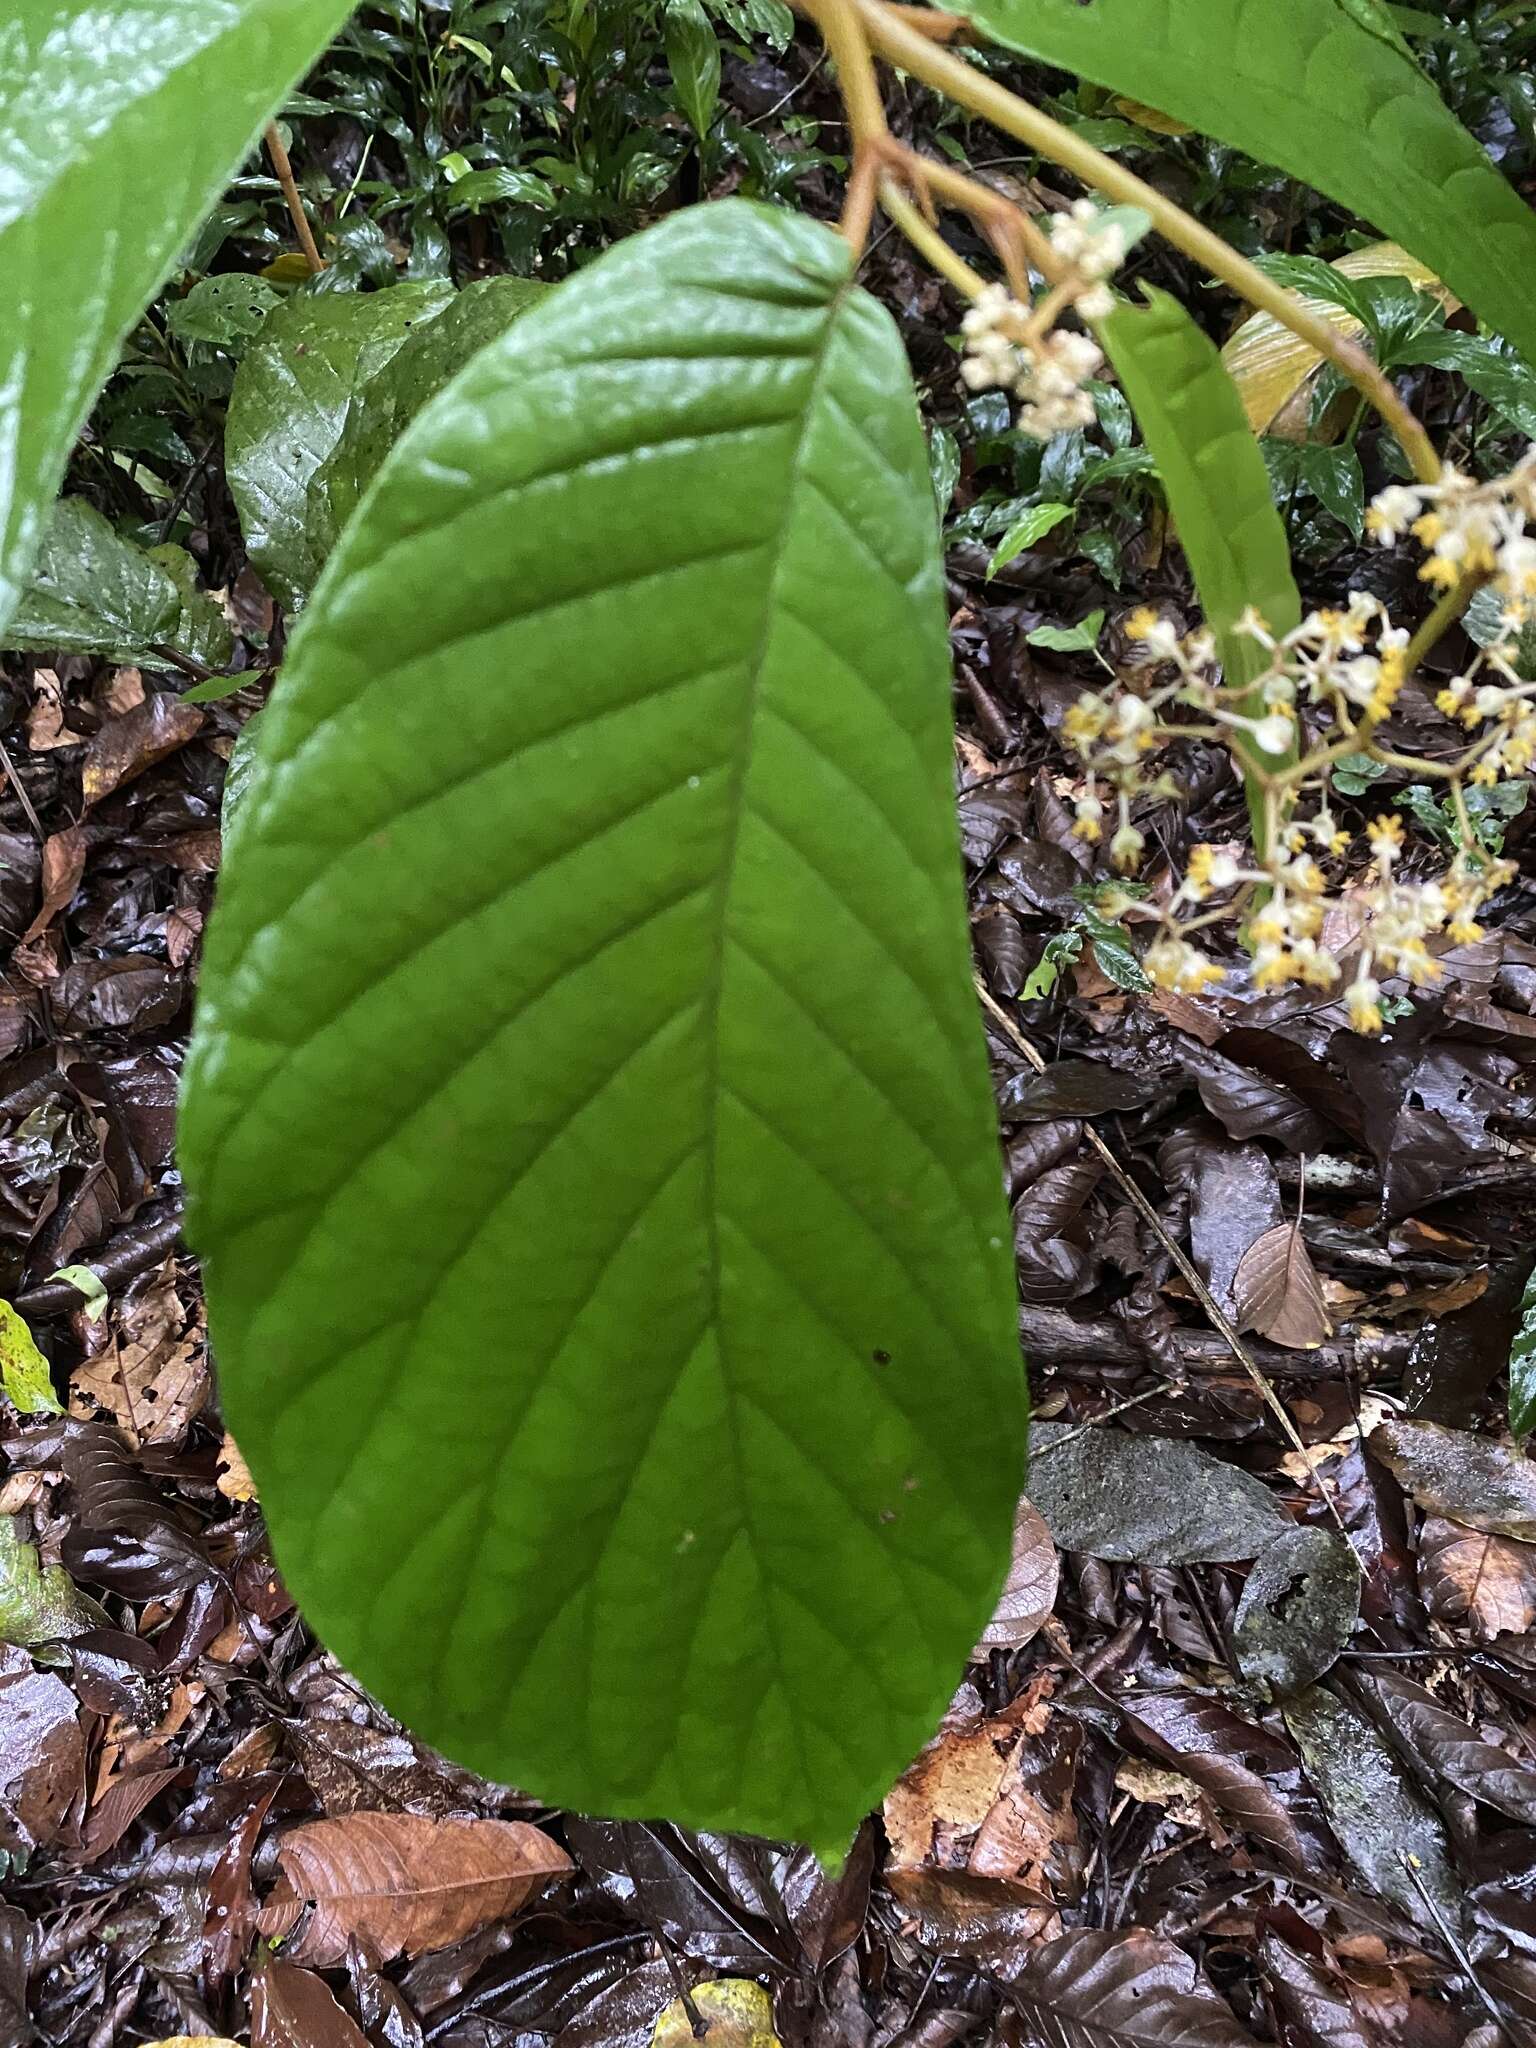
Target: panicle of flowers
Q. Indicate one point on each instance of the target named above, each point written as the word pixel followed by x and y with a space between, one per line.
pixel 1326 688
pixel 1011 346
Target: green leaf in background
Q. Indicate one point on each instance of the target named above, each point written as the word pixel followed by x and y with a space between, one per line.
pixel 1331 475
pixel 226 312
pixel 500 185
pixel 1493 371
pixel 294 394
pixel 1522 1366
pixel 1034 525
pixel 37 1604
pixel 1079 639
pixel 25 1378
pixel 1309 86
pixel 693 58
pixel 1218 487
pixel 591 952
pixel 92 592
pixel 432 354
pixel 121 122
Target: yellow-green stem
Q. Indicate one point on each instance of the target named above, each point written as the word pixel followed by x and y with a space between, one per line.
pixel 894 38
pixel 929 243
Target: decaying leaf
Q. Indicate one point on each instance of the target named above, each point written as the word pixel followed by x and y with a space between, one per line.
pixel 1148 1499
pixel 293 2008
pixel 234 1480
pixel 1270 365
pixel 1445 1744
pixel 1093 1989
pixel 152 1377
pixel 1030 1593
pixel 1277 1291
pixel 396 1883
pixel 1472 1479
pixel 63 865
pixel 1298 1610
pixel 735 2012
pixel 1385 1828
pixel 1466 1575
pixel 42 1751
pixel 24 1372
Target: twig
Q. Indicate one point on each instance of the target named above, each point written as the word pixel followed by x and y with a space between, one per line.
pixel 21 795
pixel 1170 1245
pixel 277 150
pixel 893 36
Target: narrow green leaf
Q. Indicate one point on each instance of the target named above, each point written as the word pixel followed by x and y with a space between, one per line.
pixel 294 394
pixel 626 1352
pixel 1193 421
pixel 1522 1366
pixel 1034 525
pixel 25 1378
pixel 693 58
pixel 1309 86
pixel 92 592
pixel 121 121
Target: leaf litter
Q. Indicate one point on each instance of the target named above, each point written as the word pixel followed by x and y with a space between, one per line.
pixel 1211 1777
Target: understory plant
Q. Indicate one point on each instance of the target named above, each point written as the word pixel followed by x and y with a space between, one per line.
pixel 587 1122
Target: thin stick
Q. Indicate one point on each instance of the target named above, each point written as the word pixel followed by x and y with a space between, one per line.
pixel 897 40
pixel 22 798
pixel 1175 1251
pixel 285 178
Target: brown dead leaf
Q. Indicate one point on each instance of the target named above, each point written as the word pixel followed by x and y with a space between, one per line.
pixel 122 690
pixel 1030 1593
pixel 1276 1291
pixel 42 1749
pixel 396 1883
pixel 1488 1582
pixel 293 2008
pixel 126 746
pixel 234 1480
pixel 46 726
pixel 152 1376
pixel 63 865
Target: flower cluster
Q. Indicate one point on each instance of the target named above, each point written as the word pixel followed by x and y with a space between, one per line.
pixel 1325 690
pixel 1011 346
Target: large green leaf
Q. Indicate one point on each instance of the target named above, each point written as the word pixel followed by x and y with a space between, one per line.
pixel 93 592
pixel 120 123
pixel 295 392
pixel 1320 88
pixel 431 356
pixel 587 1123
pixel 1192 416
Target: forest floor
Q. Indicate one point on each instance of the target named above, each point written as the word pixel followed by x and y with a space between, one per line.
pixel 1280 1804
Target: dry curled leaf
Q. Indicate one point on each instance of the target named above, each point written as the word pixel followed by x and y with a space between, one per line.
pixel 234 1480
pixel 1030 1592
pixel 126 746
pixel 63 865
pixel 396 1883
pixel 1277 1292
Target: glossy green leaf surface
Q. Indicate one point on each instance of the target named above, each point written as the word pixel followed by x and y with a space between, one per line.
pixel 1522 1366
pixel 587 1121
pixel 432 354
pixel 1192 418
pixel 1310 86
pixel 295 392
pixel 94 592
pixel 120 123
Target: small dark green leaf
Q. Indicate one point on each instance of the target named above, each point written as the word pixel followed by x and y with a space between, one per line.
pixel 1148 1499
pixel 943 466
pixel 227 312
pixel 693 58
pixel 1522 1366
pixel 1079 639
pixel 293 396
pixel 95 593
pixel 1034 525
pixel 1060 952
pixel 1298 1610
pixel 625 1351
pixel 1494 372
pixel 500 185
pixel 1353 774
pixel 1114 954
pixel 1384 1826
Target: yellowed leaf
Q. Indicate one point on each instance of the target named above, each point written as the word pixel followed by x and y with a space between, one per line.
pixel 1148 117
pixel 290 268
pixel 736 2013
pixel 234 1480
pixel 1270 365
